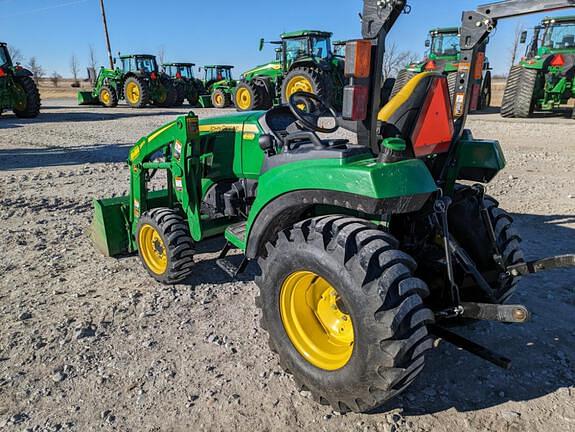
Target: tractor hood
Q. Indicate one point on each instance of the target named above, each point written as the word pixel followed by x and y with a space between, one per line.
pixel 271 69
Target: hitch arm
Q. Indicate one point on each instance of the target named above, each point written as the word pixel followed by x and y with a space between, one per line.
pixel 557 262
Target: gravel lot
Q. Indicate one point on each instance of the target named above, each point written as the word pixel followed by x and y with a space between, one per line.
pixel 89 343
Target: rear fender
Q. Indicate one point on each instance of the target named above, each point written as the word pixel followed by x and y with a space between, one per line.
pixel 21 72
pixel 290 193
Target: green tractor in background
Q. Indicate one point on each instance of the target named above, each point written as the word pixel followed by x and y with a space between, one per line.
pixel 217 86
pixel 188 87
pixel 18 91
pixel 545 78
pixel 366 251
pixel 305 62
pixel 138 81
pixel 444 57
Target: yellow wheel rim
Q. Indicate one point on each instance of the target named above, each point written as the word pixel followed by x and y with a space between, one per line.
pixel 219 98
pixel 243 99
pixel 311 313
pixel 21 100
pixel 133 93
pixel 298 84
pixel 153 250
pixel 105 95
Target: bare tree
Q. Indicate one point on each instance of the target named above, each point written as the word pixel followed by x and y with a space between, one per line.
pixel 74 68
pixel 15 54
pixel 36 69
pixel 162 55
pixel 55 78
pixel 395 60
pixel 92 62
pixel 519 28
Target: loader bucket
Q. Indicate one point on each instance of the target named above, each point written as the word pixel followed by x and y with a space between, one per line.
pixel 205 101
pixel 86 98
pixel 110 229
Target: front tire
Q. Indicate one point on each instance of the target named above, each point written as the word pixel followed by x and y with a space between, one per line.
pixel 29 107
pixel 363 339
pixel 249 96
pixel 108 97
pixel 221 99
pixel 165 245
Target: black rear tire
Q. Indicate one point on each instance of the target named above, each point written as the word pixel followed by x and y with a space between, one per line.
pixel 171 96
pixel 32 96
pixel 378 292
pixel 525 96
pixel 314 77
pixel 403 77
pixel 176 244
pixel 193 96
pixel 468 229
pixel 181 94
pixel 510 94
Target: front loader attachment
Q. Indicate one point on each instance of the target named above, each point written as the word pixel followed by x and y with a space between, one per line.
pixel 86 98
pixel 110 229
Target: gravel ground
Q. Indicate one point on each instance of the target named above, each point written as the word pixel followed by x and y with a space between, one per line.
pixel 89 343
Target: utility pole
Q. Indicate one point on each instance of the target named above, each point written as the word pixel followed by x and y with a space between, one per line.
pixel 107 35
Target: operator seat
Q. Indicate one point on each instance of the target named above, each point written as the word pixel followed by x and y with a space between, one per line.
pixel 421 114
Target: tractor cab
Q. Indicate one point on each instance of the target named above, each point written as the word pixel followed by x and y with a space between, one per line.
pixel 5 60
pixel 217 73
pixel 180 70
pixel 444 43
pixel 558 35
pixel 306 45
pixel 139 63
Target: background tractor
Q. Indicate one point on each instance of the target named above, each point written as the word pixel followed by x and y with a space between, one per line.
pixel 18 91
pixel 138 81
pixel 444 57
pixel 188 87
pixel 366 251
pixel 305 62
pixel 544 79
pixel 218 85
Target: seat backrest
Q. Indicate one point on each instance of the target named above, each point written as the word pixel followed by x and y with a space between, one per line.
pixel 421 114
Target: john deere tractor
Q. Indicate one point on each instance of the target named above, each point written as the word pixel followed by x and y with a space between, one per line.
pixel 305 62
pixel 18 92
pixel 444 57
pixel 545 78
pixel 138 80
pixel 187 85
pixel 366 252
pixel 218 85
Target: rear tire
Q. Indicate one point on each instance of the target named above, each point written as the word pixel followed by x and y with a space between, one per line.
pixel 510 94
pixel 372 285
pixel 171 96
pixel 31 107
pixel 136 92
pixel 468 229
pixel 403 77
pixel 181 94
pixel 165 245
pixel 108 97
pixel 221 99
pixel 525 96
pixel 193 96
pixel 309 80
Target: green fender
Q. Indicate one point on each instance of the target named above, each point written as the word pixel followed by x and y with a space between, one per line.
pixel 363 187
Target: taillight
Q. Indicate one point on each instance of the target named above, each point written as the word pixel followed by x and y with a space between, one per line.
pixel 179 75
pixel 2 73
pixel 153 76
pixel 430 65
pixel 358 70
pixel 558 61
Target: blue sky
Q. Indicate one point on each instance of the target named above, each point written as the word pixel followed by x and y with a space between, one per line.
pixel 221 31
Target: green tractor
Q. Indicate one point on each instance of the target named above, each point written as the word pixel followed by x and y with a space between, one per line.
pixel 18 91
pixel 138 81
pixel 366 251
pixel 444 57
pixel 305 62
pixel 545 78
pixel 217 86
pixel 188 87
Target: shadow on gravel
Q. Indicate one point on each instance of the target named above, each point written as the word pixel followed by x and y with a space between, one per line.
pixel 11 159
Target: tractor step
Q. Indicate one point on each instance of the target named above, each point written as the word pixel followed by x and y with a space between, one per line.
pixel 236 234
pixel 227 266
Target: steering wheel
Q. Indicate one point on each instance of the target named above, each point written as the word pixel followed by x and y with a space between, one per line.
pixel 315 109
